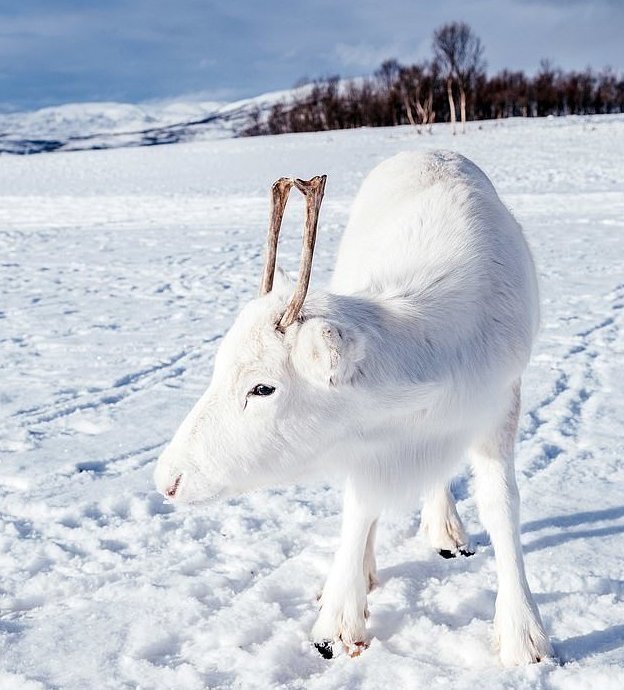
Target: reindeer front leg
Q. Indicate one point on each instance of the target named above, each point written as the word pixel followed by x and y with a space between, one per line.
pixel 343 603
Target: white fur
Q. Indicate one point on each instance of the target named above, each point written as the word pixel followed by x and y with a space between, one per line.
pixel 410 361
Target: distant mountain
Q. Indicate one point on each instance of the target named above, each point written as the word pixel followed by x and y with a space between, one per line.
pixel 84 126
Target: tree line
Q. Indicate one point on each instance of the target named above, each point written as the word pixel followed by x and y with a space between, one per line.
pixel 433 91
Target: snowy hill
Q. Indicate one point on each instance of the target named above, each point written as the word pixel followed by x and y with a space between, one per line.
pixel 84 126
pixel 122 269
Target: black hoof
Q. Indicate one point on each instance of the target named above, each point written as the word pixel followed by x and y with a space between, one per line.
pixel 466 552
pixel 324 648
pixel 445 553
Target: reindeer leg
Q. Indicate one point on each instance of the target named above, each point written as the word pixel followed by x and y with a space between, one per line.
pixel 370 563
pixel 441 523
pixel 517 621
pixel 343 614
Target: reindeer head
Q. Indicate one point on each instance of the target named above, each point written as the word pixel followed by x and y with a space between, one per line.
pixel 272 404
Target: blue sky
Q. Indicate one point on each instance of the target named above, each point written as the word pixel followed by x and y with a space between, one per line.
pixel 56 51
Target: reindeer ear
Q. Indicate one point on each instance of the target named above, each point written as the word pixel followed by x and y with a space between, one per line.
pixel 326 355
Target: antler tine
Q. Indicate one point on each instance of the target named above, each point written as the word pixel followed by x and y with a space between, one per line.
pixel 313 191
pixel 279 196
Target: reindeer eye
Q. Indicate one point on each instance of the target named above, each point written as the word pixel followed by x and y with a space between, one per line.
pixel 262 389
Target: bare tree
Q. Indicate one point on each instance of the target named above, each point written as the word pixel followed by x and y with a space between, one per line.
pixel 409 86
pixel 459 52
pixel 416 89
pixel 387 77
pixel 444 49
pixel 545 87
pixel 606 91
pixel 470 65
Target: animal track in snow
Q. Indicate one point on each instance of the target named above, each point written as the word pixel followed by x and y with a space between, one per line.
pixel 560 414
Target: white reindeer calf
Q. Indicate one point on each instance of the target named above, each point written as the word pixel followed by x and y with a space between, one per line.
pixel 409 362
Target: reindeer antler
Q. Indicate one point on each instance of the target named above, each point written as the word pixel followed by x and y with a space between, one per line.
pixel 313 191
pixel 279 196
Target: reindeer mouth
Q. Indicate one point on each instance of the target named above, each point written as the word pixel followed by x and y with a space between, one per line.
pixel 172 490
pixel 171 495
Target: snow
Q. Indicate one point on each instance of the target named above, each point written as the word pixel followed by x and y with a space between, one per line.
pixel 122 269
pixel 102 125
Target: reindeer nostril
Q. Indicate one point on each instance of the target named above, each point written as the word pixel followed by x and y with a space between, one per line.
pixel 171 491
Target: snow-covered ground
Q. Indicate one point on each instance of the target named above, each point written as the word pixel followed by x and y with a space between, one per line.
pixel 120 271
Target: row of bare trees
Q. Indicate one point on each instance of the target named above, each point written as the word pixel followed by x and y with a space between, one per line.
pixel 424 93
